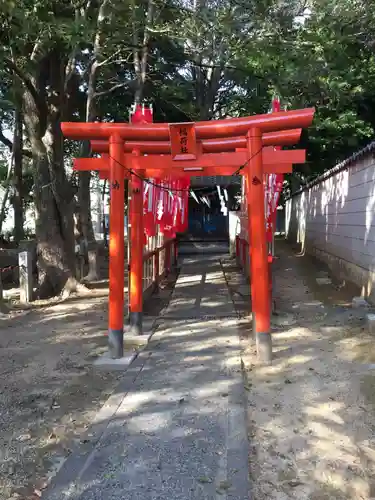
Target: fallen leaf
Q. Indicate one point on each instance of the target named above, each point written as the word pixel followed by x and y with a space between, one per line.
pixel 294 483
pixel 24 437
pixel 225 485
pixel 204 479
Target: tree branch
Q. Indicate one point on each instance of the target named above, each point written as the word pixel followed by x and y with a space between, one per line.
pixel 27 83
pixel 8 143
pixel 70 68
pixel 109 59
pixel 111 90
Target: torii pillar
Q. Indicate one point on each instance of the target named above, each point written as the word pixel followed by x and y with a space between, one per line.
pixel 261 306
pixel 116 248
pixel 140 115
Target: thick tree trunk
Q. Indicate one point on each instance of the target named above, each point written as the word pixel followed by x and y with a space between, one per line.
pixel 54 231
pixel 52 192
pixel 18 231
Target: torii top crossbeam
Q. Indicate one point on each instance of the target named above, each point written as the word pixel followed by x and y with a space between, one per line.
pixel 232 127
pixel 284 138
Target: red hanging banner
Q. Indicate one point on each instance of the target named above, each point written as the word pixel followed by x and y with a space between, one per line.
pixel 149 220
pixel 142 114
pixel 168 221
pixel 273 188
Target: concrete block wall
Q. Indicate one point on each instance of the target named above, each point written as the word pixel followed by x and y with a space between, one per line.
pixel 333 218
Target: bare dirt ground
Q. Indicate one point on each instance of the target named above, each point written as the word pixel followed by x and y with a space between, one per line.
pixel 311 414
pixel 49 391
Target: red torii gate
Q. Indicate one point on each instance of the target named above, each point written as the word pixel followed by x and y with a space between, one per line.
pixel 222 147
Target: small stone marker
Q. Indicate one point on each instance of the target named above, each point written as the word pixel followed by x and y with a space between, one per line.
pixel 308 304
pixel 26 276
pixel 324 281
pixel 359 302
pixel 370 318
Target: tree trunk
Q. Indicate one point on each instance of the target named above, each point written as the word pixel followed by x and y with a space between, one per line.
pixel 3 307
pixel 85 226
pixel 140 55
pixel 18 232
pixel 52 192
pixel 84 195
pixel 6 193
pixel 54 230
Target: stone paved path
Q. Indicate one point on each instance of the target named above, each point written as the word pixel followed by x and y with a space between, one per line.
pixel 176 427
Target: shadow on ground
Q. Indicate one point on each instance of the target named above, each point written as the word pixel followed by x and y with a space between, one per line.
pixel 49 391
pixel 311 414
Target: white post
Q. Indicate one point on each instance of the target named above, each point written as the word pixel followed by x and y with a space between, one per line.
pixel 26 277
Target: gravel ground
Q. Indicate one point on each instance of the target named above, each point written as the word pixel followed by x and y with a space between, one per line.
pixel 49 391
pixel 311 414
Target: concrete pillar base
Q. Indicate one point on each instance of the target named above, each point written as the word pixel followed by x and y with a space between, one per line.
pixel 136 323
pixel 115 343
pixel 264 347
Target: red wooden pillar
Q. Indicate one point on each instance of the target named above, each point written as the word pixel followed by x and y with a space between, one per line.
pixel 116 248
pixel 140 114
pixel 136 255
pixel 259 253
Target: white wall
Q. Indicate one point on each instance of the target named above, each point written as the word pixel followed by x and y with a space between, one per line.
pixel 97 210
pixel 234 230
pixel 334 220
pixel 8 225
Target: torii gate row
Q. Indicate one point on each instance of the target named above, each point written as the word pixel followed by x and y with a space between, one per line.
pixel 186 144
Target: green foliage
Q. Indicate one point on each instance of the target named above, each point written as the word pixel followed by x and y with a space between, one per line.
pixel 327 62
pixel 322 57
